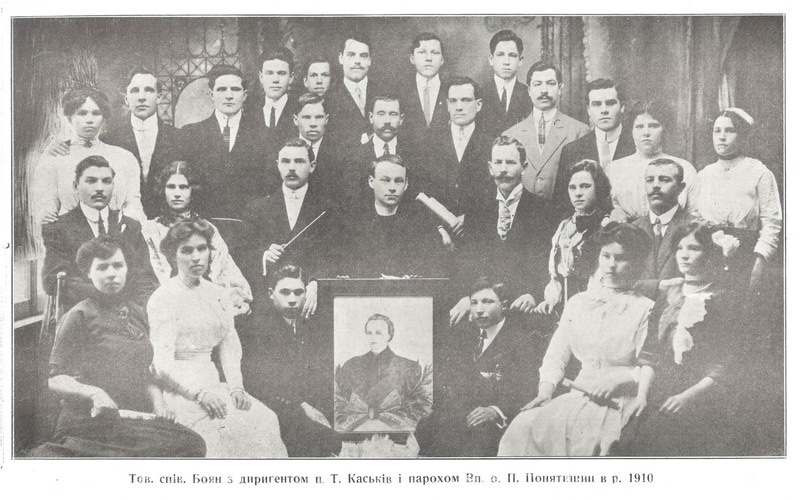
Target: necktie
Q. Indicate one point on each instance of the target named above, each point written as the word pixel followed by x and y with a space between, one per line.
pixel 426 104
pixel 360 99
pixel 272 117
pixel 504 100
pixel 503 220
pixel 87 143
pixel 226 135
pixel 605 153
pixel 657 236
pixel 542 132
pixel 386 150
pixel 481 344
pixel 101 228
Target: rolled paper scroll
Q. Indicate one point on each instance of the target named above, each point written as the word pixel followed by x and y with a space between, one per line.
pixel 437 208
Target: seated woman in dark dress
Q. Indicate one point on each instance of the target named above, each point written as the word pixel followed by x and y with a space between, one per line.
pixel 101 362
pixel 694 337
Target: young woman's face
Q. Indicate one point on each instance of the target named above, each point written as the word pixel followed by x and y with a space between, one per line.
pixel 109 275
pixel 87 119
pixel 193 255
pixel 616 268
pixel 582 191
pixel 178 192
pixel 726 139
pixel 691 256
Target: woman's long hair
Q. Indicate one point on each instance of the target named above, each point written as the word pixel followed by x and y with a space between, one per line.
pixel 168 216
pixel 602 186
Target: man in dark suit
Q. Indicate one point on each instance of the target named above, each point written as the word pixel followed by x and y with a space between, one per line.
pixel 506 101
pixel 663 179
pixel 287 365
pixel 456 171
pixel 545 131
pixel 229 151
pixel 606 108
pixel 385 235
pixel 511 235
pixel 387 118
pixel 425 99
pixel 277 109
pixel 272 222
pixel 317 75
pixel 349 101
pixel 94 183
pixel 487 372
pixel 311 120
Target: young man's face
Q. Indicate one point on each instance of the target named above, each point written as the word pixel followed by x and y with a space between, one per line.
pixel 294 166
pixel 318 78
pixel 87 120
pixel 275 77
pixel 386 119
pixel 662 187
pixel 388 184
pixel 462 105
pixel 605 109
pixel 95 187
pixel 228 94
pixel 427 58
pixel 355 60
pixel 485 308
pixel 506 168
pixel 288 297
pixel 311 121
pixel 544 89
pixel 505 59
pixel 141 95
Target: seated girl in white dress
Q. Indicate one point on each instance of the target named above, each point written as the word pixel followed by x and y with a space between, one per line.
pixel 189 317
pixel 604 328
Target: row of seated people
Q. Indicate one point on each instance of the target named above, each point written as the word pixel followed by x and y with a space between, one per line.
pixel 570 258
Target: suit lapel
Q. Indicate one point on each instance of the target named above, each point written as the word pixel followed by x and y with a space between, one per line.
pixel 129 139
pixel 665 251
pixel 554 140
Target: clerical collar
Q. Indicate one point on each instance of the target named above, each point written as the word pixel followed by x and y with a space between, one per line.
pixel 549 115
pixel 608 136
pixel 385 211
pixel 223 119
pixel 423 82
pixel 93 214
pixel 148 123
pixel 664 218
pixel 298 194
pixel 514 195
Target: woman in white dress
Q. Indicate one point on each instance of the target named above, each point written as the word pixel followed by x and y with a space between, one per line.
pixel 177 185
pixel 604 328
pixel 188 319
pixel 739 195
pixel 86 108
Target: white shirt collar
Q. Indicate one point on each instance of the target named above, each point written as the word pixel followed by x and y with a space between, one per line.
pixel 92 214
pixel 608 136
pixel 278 105
pixel 147 124
pixel 515 194
pixel 492 331
pixel 351 86
pixel 378 143
pixel 499 83
pixel 664 218
pixel 222 119
pixel 298 194
pixel 431 83
pixel 548 115
pixel 467 129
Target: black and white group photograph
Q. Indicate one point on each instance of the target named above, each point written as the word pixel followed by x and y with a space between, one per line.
pixel 374 236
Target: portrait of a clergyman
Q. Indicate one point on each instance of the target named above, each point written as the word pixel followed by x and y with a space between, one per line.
pixel 379 390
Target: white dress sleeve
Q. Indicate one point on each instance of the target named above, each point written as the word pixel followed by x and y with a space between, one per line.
pixel 770 214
